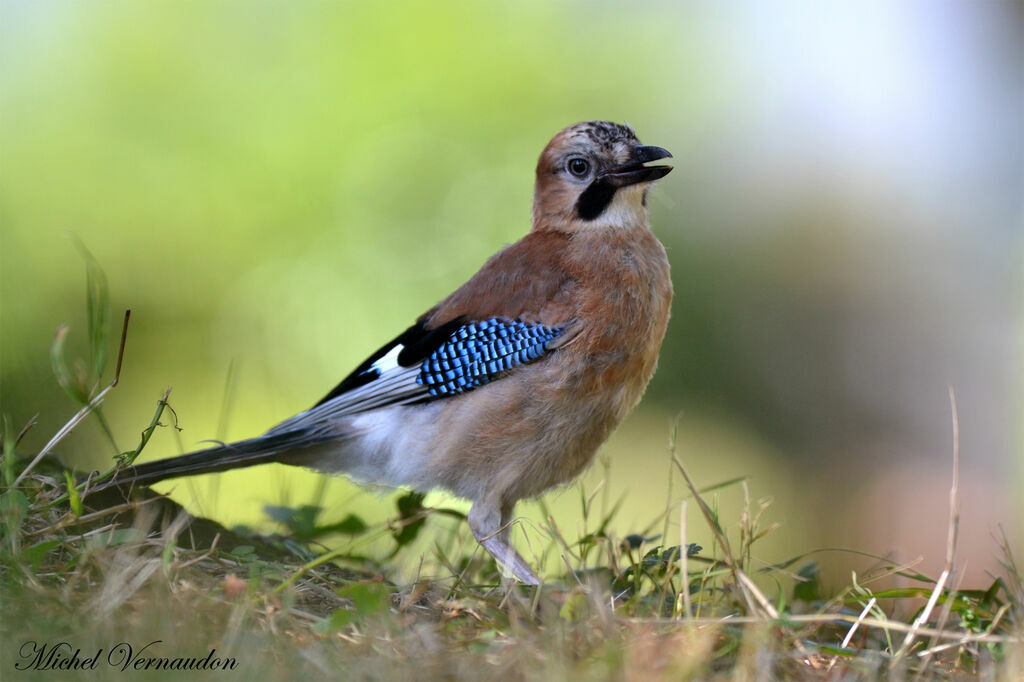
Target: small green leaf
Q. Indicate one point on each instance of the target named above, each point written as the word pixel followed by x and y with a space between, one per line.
pixel 97 305
pixel 243 550
pixel 836 650
pixel 782 607
pixel 574 607
pixel 13 509
pixel 37 552
pixel 409 506
pixel 724 484
pixel 367 599
pixel 8 455
pixel 602 531
pixel 15 501
pixel 74 499
pixel 300 521
pixel 127 458
pixel 809 589
pixel 634 540
pixel 58 361
pixel 671 555
pixel 990 596
pixel 338 620
pixel 350 525
pixel 167 554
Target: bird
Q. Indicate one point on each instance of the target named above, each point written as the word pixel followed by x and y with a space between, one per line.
pixel 507 387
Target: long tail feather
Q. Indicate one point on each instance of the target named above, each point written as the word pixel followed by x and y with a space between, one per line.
pixel 278 447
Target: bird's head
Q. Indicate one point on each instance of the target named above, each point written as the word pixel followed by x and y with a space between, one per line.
pixel 592 174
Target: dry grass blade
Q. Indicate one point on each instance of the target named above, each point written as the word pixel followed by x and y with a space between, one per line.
pixel 71 520
pixel 853 628
pixel 951 538
pixel 683 564
pixel 723 541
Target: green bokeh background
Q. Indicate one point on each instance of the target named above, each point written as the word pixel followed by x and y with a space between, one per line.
pixel 275 189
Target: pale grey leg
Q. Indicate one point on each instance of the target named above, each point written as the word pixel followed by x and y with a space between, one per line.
pixel 491 529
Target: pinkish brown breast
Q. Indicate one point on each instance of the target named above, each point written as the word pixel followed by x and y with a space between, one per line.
pixel 613 290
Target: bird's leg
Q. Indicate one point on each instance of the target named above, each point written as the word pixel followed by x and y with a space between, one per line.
pixel 490 527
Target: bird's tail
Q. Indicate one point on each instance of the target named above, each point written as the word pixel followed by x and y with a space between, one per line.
pixel 276 447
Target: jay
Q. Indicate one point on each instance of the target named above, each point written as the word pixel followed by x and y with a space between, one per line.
pixel 509 385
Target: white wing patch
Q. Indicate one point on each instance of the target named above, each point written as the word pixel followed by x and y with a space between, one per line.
pixel 388 383
pixel 389 361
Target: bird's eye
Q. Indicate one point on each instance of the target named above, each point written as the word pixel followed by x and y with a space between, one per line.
pixel 578 167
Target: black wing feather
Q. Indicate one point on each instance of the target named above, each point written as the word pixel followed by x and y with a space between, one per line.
pixel 418 341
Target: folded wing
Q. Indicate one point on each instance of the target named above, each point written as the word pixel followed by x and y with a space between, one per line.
pixel 422 365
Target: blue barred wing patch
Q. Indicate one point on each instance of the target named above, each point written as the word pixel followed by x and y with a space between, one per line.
pixel 480 352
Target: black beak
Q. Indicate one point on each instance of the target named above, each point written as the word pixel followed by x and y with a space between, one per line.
pixel 635 171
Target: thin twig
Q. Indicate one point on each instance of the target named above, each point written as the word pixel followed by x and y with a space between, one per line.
pixel 569 567
pixel 25 429
pixel 206 555
pixel 954 523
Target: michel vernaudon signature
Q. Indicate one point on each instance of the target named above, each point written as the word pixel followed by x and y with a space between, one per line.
pixel 122 656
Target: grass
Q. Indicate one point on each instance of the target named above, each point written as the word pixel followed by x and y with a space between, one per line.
pixel 144 584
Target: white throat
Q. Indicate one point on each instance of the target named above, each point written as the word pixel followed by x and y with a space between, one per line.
pixel 627 210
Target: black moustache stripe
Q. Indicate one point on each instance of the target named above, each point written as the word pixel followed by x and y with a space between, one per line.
pixel 595 199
